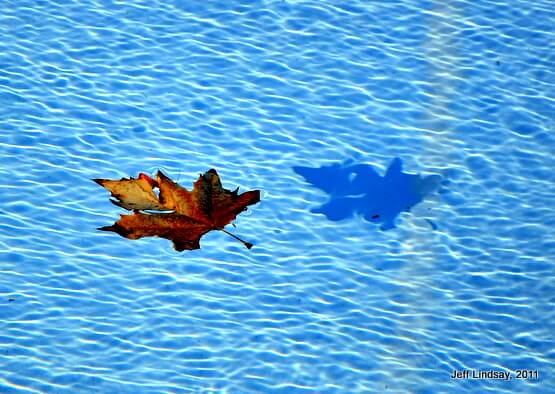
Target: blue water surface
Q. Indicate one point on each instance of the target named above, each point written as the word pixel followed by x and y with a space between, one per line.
pixel 464 90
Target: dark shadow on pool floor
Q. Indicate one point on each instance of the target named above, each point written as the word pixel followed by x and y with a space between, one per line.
pixel 358 188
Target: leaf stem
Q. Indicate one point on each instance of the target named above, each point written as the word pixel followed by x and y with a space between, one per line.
pixel 247 244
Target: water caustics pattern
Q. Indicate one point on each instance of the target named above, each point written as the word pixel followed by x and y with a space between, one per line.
pixel 463 90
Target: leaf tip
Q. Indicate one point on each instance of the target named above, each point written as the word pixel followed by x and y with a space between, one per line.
pixel 148 179
pixel 255 197
pixel 116 228
pixel 161 176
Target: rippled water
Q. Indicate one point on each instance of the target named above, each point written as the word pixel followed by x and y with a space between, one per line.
pixel 105 89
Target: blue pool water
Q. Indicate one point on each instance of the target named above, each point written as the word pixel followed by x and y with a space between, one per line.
pixel 464 90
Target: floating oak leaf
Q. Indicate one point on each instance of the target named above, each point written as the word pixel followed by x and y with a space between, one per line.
pixel 194 213
pixel 360 189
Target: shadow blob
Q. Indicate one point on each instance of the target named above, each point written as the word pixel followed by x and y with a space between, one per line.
pixel 359 189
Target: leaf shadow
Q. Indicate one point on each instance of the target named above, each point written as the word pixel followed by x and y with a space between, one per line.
pixel 359 189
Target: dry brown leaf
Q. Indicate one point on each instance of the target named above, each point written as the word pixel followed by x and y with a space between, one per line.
pixel 207 207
